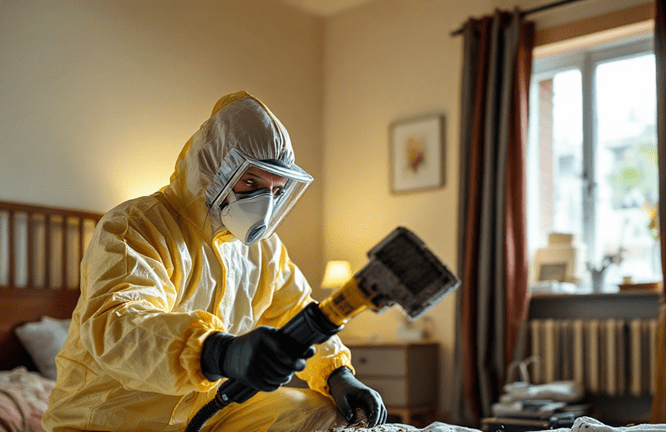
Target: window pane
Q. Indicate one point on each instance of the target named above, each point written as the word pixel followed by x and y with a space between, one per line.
pixel 626 166
pixel 568 152
pixel 557 143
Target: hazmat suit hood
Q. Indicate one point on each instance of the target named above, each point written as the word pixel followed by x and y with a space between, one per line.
pixel 241 133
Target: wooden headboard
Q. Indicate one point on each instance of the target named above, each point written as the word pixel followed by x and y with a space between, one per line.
pixel 40 252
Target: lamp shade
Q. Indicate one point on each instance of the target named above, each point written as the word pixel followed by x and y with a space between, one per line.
pixel 337 274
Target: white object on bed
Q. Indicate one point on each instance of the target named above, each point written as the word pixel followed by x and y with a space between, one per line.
pixel 43 340
pixel 588 424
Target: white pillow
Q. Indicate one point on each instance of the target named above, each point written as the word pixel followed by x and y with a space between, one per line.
pixel 43 340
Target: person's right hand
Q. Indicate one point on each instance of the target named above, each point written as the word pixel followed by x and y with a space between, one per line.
pixel 260 359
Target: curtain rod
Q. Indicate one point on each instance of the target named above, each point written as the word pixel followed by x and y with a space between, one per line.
pixel 531 11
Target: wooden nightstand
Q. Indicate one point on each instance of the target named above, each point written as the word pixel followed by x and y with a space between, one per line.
pixel 406 375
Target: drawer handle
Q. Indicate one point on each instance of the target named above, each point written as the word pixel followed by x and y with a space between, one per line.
pixel 362 360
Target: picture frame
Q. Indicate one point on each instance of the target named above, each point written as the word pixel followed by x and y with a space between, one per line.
pixel 417 154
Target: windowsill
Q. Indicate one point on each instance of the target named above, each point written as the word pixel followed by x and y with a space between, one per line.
pixel 617 294
pixel 619 305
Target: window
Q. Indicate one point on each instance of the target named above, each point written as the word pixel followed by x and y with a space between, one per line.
pixel 592 157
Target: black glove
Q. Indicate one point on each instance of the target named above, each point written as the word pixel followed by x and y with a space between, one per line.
pixel 350 394
pixel 259 359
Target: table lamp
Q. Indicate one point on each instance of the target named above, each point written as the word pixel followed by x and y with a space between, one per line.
pixel 337 274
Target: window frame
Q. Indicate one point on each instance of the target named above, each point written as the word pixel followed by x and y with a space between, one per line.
pixel 586 60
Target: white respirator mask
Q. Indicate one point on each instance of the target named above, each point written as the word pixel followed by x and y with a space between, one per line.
pixel 247 215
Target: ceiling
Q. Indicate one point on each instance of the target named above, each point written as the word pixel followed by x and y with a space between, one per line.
pixel 326 8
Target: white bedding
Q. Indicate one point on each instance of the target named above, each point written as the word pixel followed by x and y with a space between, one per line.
pixel 588 424
pixel 582 424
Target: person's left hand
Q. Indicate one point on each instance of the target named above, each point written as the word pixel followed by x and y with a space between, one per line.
pixel 350 394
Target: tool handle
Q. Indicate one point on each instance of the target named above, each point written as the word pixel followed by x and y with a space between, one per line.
pixel 233 391
pixel 310 326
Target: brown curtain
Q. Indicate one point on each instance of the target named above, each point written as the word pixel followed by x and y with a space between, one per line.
pixel 659 399
pixel 492 241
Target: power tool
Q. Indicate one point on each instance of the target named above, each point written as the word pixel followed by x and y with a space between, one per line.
pixel 401 269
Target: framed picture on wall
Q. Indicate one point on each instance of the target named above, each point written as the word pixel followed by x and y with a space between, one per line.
pixel 417 154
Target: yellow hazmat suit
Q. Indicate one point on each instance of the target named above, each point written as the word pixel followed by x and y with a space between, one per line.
pixel 161 274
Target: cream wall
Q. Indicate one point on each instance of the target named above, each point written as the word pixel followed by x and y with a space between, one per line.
pixel 385 61
pixel 98 97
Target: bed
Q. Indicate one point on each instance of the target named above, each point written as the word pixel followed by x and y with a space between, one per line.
pixel 40 251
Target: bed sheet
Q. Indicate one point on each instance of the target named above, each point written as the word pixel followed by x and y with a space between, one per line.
pixel 582 424
pixel 398 427
pixel 24 396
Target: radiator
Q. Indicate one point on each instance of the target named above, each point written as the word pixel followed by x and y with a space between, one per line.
pixel 614 357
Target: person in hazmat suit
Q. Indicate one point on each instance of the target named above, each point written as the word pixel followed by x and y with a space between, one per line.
pixel 188 286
